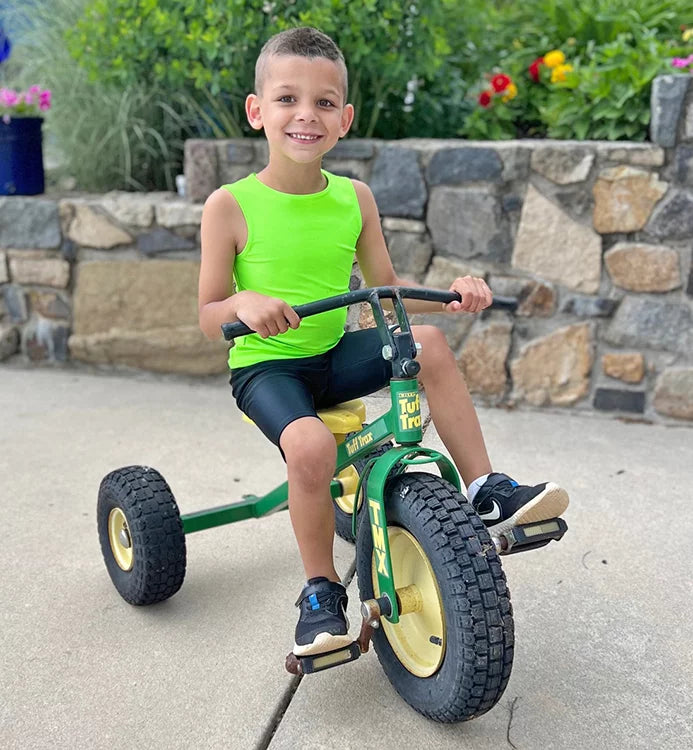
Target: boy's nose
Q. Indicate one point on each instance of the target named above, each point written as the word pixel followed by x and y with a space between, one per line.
pixel 306 114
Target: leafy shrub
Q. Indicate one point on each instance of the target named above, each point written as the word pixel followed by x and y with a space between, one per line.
pixel 207 48
pixel 607 96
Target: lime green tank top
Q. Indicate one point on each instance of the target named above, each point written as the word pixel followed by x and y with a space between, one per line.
pixel 300 248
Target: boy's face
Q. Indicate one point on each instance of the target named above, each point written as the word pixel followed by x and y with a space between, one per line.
pixel 301 107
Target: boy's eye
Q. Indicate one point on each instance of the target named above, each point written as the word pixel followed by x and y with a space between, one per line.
pixel 286 99
pixel 325 103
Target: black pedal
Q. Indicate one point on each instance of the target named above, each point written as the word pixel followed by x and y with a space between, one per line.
pixel 530 536
pixel 318 662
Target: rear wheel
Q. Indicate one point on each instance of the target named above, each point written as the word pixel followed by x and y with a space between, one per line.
pixel 450 657
pixel 141 534
pixel 344 504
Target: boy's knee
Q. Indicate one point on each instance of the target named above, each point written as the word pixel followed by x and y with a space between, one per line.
pixel 310 449
pixel 433 342
pixel 436 356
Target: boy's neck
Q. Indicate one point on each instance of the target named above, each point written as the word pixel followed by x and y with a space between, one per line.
pixel 289 177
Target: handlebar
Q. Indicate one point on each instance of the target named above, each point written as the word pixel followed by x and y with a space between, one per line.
pixel 233 330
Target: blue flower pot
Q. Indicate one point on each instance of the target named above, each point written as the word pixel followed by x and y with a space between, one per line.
pixel 21 156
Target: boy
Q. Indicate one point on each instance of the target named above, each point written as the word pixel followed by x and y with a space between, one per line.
pixel 288 235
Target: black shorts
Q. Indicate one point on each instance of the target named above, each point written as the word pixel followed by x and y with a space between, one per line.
pixel 277 392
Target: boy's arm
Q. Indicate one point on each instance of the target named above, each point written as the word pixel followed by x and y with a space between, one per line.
pixel 215 303
pixel 221 219
pixel 376 266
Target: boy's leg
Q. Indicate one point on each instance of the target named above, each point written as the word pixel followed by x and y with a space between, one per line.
pixel 278 398
pixel 311 453
pixel 499 500
pixel 452 410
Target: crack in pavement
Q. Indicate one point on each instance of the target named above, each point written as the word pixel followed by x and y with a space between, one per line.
pixel 511 711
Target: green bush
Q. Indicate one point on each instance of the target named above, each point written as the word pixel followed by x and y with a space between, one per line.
pixel 207 49
pixel 607 96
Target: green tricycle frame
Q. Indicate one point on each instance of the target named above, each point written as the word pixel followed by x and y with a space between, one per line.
pixel 454 593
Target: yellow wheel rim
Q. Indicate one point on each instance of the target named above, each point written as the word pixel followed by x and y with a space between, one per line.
pixel 349 478
pixel 418 639
pixel 120 539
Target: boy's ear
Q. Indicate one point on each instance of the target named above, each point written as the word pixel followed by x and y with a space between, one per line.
pixel 252 111
pixel 347 119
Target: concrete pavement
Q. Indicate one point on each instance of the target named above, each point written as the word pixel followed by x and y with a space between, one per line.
pixel 603 619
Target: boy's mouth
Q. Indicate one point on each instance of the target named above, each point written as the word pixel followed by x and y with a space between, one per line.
pixel 304 137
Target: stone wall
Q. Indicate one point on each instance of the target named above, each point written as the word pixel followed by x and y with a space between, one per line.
pixel 596 240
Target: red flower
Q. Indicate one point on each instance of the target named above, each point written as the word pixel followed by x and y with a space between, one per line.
pixel 485 98
pixel 534 69
pixel 500 82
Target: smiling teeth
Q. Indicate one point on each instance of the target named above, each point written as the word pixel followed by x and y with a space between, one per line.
pixel 304 137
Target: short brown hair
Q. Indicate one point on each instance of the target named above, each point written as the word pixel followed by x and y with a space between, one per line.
pixel 303 41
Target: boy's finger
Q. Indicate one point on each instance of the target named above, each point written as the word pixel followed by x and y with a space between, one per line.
pixel 291 316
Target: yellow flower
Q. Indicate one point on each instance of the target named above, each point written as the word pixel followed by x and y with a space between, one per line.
pixel 687 35
pixel 511 93
pixel 558 73
pixel 554 58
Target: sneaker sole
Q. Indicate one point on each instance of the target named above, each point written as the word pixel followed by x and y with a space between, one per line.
pixel 322 644
pixel 550 503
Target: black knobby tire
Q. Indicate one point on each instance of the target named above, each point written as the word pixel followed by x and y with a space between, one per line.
pixel 156 547
pixel 342 519
pixel 477 613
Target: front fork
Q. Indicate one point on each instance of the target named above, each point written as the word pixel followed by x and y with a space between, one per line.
pixel 407 430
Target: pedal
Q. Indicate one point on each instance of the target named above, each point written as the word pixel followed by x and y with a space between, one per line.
pixel 530 536
pixel 318 662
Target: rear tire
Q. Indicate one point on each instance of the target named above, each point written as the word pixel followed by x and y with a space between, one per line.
pixel 141 535
pixel 441 548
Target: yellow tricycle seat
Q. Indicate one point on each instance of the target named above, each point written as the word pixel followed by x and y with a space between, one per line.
pixel 340 419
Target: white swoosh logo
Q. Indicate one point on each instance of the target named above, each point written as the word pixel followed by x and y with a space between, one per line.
pixel 492 515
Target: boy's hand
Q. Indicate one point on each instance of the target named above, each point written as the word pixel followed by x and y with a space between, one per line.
pixel 474 292
pixel 269 316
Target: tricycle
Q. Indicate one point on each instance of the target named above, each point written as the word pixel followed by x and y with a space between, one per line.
pixel 434 599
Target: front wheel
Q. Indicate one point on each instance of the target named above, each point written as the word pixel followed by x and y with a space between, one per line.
pixel 141 534
pixel 450 657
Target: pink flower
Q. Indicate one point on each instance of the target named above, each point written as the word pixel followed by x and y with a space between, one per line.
pixel 682 62
pixel 45 100
pixel 27 103
pixel 8 98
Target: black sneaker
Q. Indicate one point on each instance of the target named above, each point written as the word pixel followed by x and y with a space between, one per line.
pixel 502 503
pixel 322 625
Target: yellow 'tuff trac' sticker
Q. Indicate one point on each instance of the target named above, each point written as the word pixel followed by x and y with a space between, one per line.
pixel 409 410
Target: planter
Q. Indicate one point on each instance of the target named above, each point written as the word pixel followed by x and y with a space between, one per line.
pixel 21 156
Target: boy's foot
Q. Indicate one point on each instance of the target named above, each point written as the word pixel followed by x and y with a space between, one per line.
pixel 502 503
pixel 322 625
